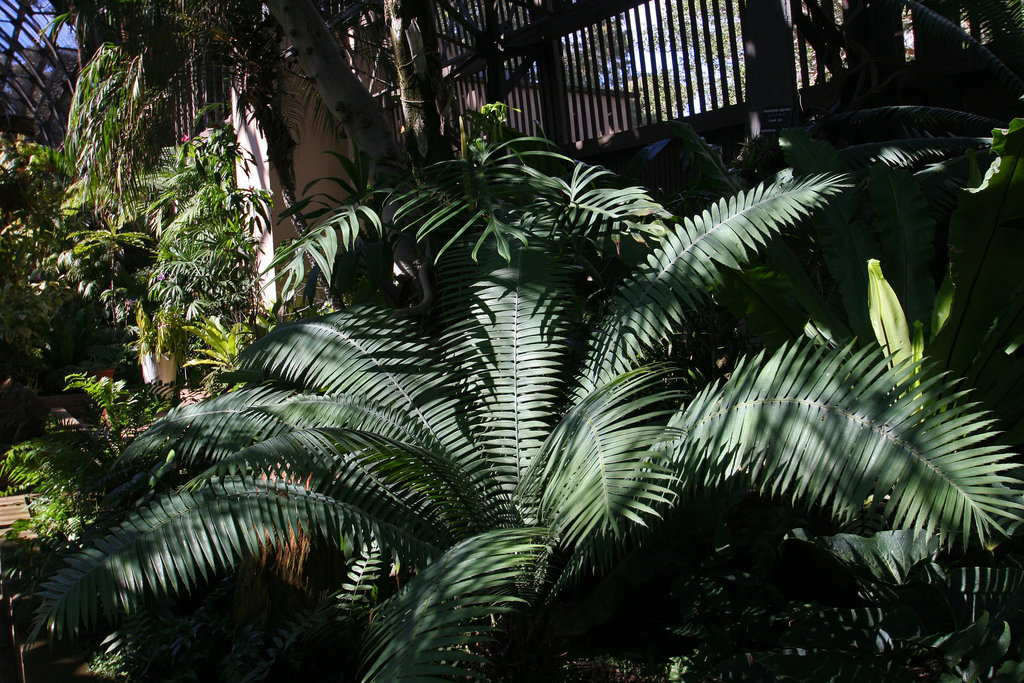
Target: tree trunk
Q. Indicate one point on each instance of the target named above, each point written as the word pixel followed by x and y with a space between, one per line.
pixel 414 41
pixel 320 56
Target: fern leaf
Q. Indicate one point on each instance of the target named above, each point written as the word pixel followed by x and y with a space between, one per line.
pixel 507 330
pixel 597 471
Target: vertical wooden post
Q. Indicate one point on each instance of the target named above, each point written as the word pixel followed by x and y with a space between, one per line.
pixel 771 73
pixel 495 83
pixel 554 94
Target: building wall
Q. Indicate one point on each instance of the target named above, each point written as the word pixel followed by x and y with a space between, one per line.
pixel 312 161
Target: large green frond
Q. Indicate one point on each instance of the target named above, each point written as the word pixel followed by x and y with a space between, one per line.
pixel 845 432
pixel 985 238
pixel 208 431
pixel 680 271
pixel 585 206
pixel 383 477
pixel 424 632
pixel 910 152
pixel 906 233
pixel 481 194
pixel 972 591
pixel 173 542
pixel 597 472
pixel 889 123
pixel 507 330
pixel 956 38
pixel 361 352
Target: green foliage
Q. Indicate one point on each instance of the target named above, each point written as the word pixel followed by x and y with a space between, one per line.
pixel 219 346
pixel 205 256
pixel 506 190
pixel 31 191
pixel 514 453
pixel 497 193
pixel 965 321
pixel 65 470
pixel 163 334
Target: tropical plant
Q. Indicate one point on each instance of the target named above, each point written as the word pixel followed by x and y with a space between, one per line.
pixel 66 469
pixel 916 258
pixel 31 234
pixel 205 225
pixel 517 451
pixel 162 334
pixel 503 193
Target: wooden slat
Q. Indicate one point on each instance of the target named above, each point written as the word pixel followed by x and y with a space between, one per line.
pixel 574 72
pixel 802 48
pixel 686 77
pixel 655 84
pixel 672 72
pixel 628 68
pixel 709 54
pixel 617 58
pixel 723 67
pixel 595 62
pixel 698 66
pixel 661 86
pixel 639 74
pixel 733 21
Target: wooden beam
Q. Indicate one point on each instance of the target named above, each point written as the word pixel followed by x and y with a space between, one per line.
pixel 727 117
pixel 576 17
pixel 771 71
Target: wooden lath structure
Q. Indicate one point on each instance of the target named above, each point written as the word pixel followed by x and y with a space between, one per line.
pixel 582 72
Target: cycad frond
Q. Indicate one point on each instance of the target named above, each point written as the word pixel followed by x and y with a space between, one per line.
pixel 507 328
pixel 685 265
pixel 597 471
pixel 910 152
pixel 956 38
pixel 174 541
pixel 383 477
pixel 973 591
pixel 423 632
pixel 888 123
pixel 366 353
pixel 209 431
pixel 585 206
pixel 852 433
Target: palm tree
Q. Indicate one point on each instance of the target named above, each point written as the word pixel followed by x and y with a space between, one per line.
pixel 522 447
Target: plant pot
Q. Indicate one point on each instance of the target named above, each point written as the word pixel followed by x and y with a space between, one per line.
pixel 160 369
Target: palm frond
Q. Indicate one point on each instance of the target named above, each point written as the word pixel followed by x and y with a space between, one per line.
pixel 425 631
pixel 972 591
pixel 208 431
pixel 484 192
pixel 914 452
pixel 338 232
pixel 364 352
pixel 587 205
pixel 175 541
pixel 385 478
pixel 685 265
